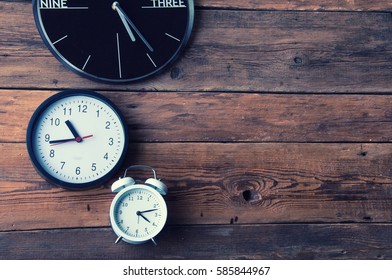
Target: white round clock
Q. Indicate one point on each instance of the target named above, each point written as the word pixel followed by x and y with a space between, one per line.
pixel 138 212
pixel 77 139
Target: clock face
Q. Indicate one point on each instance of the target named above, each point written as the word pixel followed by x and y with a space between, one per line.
pixel 77 139
pixel 115 41
pixel 138 213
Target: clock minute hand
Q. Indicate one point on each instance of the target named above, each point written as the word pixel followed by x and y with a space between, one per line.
pixel 146 211
pixel 62 141
pixel 122 14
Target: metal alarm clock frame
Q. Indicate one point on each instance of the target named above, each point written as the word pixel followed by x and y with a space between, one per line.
pixel 138 212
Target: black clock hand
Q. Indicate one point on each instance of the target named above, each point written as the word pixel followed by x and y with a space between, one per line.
pixel 141 215
pixel 73 131
pixel 116 6
pixel 145 218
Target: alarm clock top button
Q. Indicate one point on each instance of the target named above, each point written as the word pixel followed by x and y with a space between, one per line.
pixel 122 183
pixel 157 185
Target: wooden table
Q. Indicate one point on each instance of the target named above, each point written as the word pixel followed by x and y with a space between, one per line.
pixel 273 133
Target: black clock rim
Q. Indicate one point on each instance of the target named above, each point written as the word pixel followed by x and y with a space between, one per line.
pixel 32 124
pixel 73 68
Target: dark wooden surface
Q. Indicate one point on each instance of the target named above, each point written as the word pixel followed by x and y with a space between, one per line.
pixel 273 133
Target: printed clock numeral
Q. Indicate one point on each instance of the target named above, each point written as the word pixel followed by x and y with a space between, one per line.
pixel 82 108
pixel 55 121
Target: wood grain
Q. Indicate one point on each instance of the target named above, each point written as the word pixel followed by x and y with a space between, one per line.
pixel 297 5
pixel 273 133
pixel 226 117
pixel 212 183
pixel 300 5
pixel 272 52
pixel 300 241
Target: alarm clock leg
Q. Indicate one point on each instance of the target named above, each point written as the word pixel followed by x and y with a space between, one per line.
pixel 118 240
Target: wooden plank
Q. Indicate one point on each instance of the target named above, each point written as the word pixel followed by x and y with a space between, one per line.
pixel 299 5
pixel 215 117
pixel 215 183
pixel 230 51
pixel 301 241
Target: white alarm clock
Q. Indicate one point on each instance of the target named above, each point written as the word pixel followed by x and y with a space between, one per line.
pixel 138 211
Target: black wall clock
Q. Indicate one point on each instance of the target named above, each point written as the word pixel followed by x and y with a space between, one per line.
pixel 77 139
pixel 115 41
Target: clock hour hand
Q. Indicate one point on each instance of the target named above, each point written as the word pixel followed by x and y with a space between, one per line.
pixel 123 15
pixel 73 131
pixel 115 7
pixel 141 215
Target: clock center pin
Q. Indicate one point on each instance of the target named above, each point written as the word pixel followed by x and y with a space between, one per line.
pixel 114 5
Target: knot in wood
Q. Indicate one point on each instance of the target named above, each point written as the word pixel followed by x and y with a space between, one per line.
pixel 251 196
pixel 245 190
pixel 176 73
pixel 298 60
